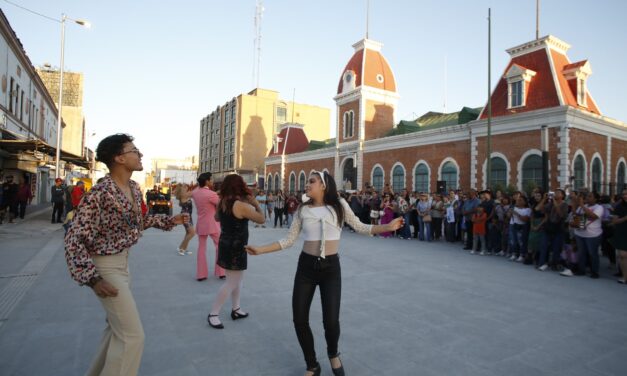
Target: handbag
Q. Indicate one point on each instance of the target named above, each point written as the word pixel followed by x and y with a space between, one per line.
pixel 427 218
pixel 374 214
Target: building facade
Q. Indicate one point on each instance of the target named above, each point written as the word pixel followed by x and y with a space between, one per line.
pixel 237 136
pixel 73 137
pixel 541 94
pixel 28 118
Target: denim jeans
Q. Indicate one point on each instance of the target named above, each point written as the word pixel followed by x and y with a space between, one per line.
pixel 554 241
pixel 290 218
pixel 425 229
pixel 326 274
pixel 476 239
pixel 588 247
pixel 518 235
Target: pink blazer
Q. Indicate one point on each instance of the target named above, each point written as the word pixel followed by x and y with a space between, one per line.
pixel 206 202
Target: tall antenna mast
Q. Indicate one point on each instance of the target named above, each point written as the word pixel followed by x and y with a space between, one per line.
pixel 367 17
pixel 257 43
pixel 445 73
pixel 537 19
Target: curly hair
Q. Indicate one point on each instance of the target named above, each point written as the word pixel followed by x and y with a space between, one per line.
pixel 112 146
pixel 233 188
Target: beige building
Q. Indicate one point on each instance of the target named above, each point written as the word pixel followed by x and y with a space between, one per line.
pixel 73 137
pixel 237 136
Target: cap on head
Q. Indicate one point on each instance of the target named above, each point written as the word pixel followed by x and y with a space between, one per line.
pixel 58 180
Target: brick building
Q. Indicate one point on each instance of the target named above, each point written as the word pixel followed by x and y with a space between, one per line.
pixel 541 90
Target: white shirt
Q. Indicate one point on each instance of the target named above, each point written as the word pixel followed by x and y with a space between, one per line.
pixel 593 226
pixel 524 212
pixel 320 224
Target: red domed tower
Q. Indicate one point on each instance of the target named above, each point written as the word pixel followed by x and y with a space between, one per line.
pixel 366 107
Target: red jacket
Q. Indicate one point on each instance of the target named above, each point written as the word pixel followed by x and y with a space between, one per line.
pixel 77 194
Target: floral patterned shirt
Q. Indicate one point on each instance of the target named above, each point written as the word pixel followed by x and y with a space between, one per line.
pixel 106 223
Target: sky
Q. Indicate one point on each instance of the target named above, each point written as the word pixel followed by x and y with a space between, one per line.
pixel 155 68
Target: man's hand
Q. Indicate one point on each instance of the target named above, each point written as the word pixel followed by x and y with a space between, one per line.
pixel 396 224
pixel 252 250
pixel 104 289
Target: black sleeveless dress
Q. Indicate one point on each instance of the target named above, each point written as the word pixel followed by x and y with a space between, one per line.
pixel 233 238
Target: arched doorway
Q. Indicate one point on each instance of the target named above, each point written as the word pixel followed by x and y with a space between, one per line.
pixel 349 175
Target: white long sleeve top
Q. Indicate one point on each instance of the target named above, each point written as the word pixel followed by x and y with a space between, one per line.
pixel 320 224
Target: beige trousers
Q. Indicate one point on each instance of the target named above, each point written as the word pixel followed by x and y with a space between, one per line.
pixel 122 343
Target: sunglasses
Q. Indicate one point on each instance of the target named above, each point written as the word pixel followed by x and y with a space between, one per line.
pixel 133 150
pixel 321 174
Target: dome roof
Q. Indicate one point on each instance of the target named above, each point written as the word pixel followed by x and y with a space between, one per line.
pixel 367 67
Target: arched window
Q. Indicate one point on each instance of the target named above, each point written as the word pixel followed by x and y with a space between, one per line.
pixel 596 175
pixel 498 173
pixel 398 179
pixel 349 124
pixel 532 173
pixel 377 179
pixel 449 175
pixel 620 178
pixel 579 173
pixel 421 178
pixel 292 182
pixel 277 186
pixel 269 182
pixel 301 182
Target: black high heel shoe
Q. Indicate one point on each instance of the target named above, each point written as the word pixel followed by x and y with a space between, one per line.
pixel 340 370
pixel 316 370
pixel 218 326
pixel 236 315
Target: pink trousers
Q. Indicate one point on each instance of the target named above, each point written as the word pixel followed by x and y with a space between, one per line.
pixel 201 258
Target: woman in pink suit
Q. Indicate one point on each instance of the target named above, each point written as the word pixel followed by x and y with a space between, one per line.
pixel 206 201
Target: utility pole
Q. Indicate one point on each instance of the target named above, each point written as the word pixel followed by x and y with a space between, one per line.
pixel 489 139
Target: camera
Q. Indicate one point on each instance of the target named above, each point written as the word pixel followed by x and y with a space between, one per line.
pixel 551 195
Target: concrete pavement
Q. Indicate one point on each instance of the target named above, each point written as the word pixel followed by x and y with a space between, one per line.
pixel 408 308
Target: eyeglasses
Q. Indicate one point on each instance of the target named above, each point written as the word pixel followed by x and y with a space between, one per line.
pixel 321 174
pixel 133 150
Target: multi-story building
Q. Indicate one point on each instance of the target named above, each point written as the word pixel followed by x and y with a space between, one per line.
pixel 542 95
pixel 73 137
pixel 237 136
pixel 28 119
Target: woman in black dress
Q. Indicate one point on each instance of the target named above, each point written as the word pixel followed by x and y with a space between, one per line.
pixel 237 205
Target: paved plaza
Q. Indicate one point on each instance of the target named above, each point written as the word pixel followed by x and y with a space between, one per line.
pixel 408 308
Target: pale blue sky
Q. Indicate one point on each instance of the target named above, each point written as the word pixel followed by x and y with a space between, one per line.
pixel 157 67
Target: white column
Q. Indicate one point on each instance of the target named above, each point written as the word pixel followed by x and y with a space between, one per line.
pixel 473 162
pixel 608 166
pixel 563 156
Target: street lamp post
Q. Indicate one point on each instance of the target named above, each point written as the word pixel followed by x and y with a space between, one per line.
pixel 60 105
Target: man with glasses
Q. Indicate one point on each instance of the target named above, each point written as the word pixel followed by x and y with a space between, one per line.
pixel 106 224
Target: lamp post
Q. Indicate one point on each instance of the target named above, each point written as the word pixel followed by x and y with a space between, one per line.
pixel 60 105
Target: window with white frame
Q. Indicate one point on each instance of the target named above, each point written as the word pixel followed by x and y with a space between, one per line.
pixel 620 178
pixel 292 183
pixel 398 179
pixel 421 178
pixel 349 124
pixel 579 173
pixel 449 175
pixel 377 179
pixel 301 181
pixel 581 92
pixel 596 175
pixel 517 78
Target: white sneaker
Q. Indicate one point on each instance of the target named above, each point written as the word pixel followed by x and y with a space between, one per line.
pixel 473 252
pixel 188 252
pixel 181 252
pixel 501 253
pixel 520 259
pixel 512 258
pixel 482 253
pixel 543 267
pixel 567 273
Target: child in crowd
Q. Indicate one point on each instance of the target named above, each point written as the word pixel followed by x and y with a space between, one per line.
pixel 478 231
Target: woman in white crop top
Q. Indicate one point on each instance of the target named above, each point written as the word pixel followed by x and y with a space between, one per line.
pixel 320 220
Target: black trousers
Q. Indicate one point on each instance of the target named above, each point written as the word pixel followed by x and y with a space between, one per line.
pixel 57 210
pixel 314 271
pixel 278 215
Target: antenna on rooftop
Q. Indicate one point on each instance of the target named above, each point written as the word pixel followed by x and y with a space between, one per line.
pixel 367 17
pixel 445 69
pixel 257 43
pixel 537 19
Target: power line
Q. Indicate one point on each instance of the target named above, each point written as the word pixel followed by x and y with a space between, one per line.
pixel 33 12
